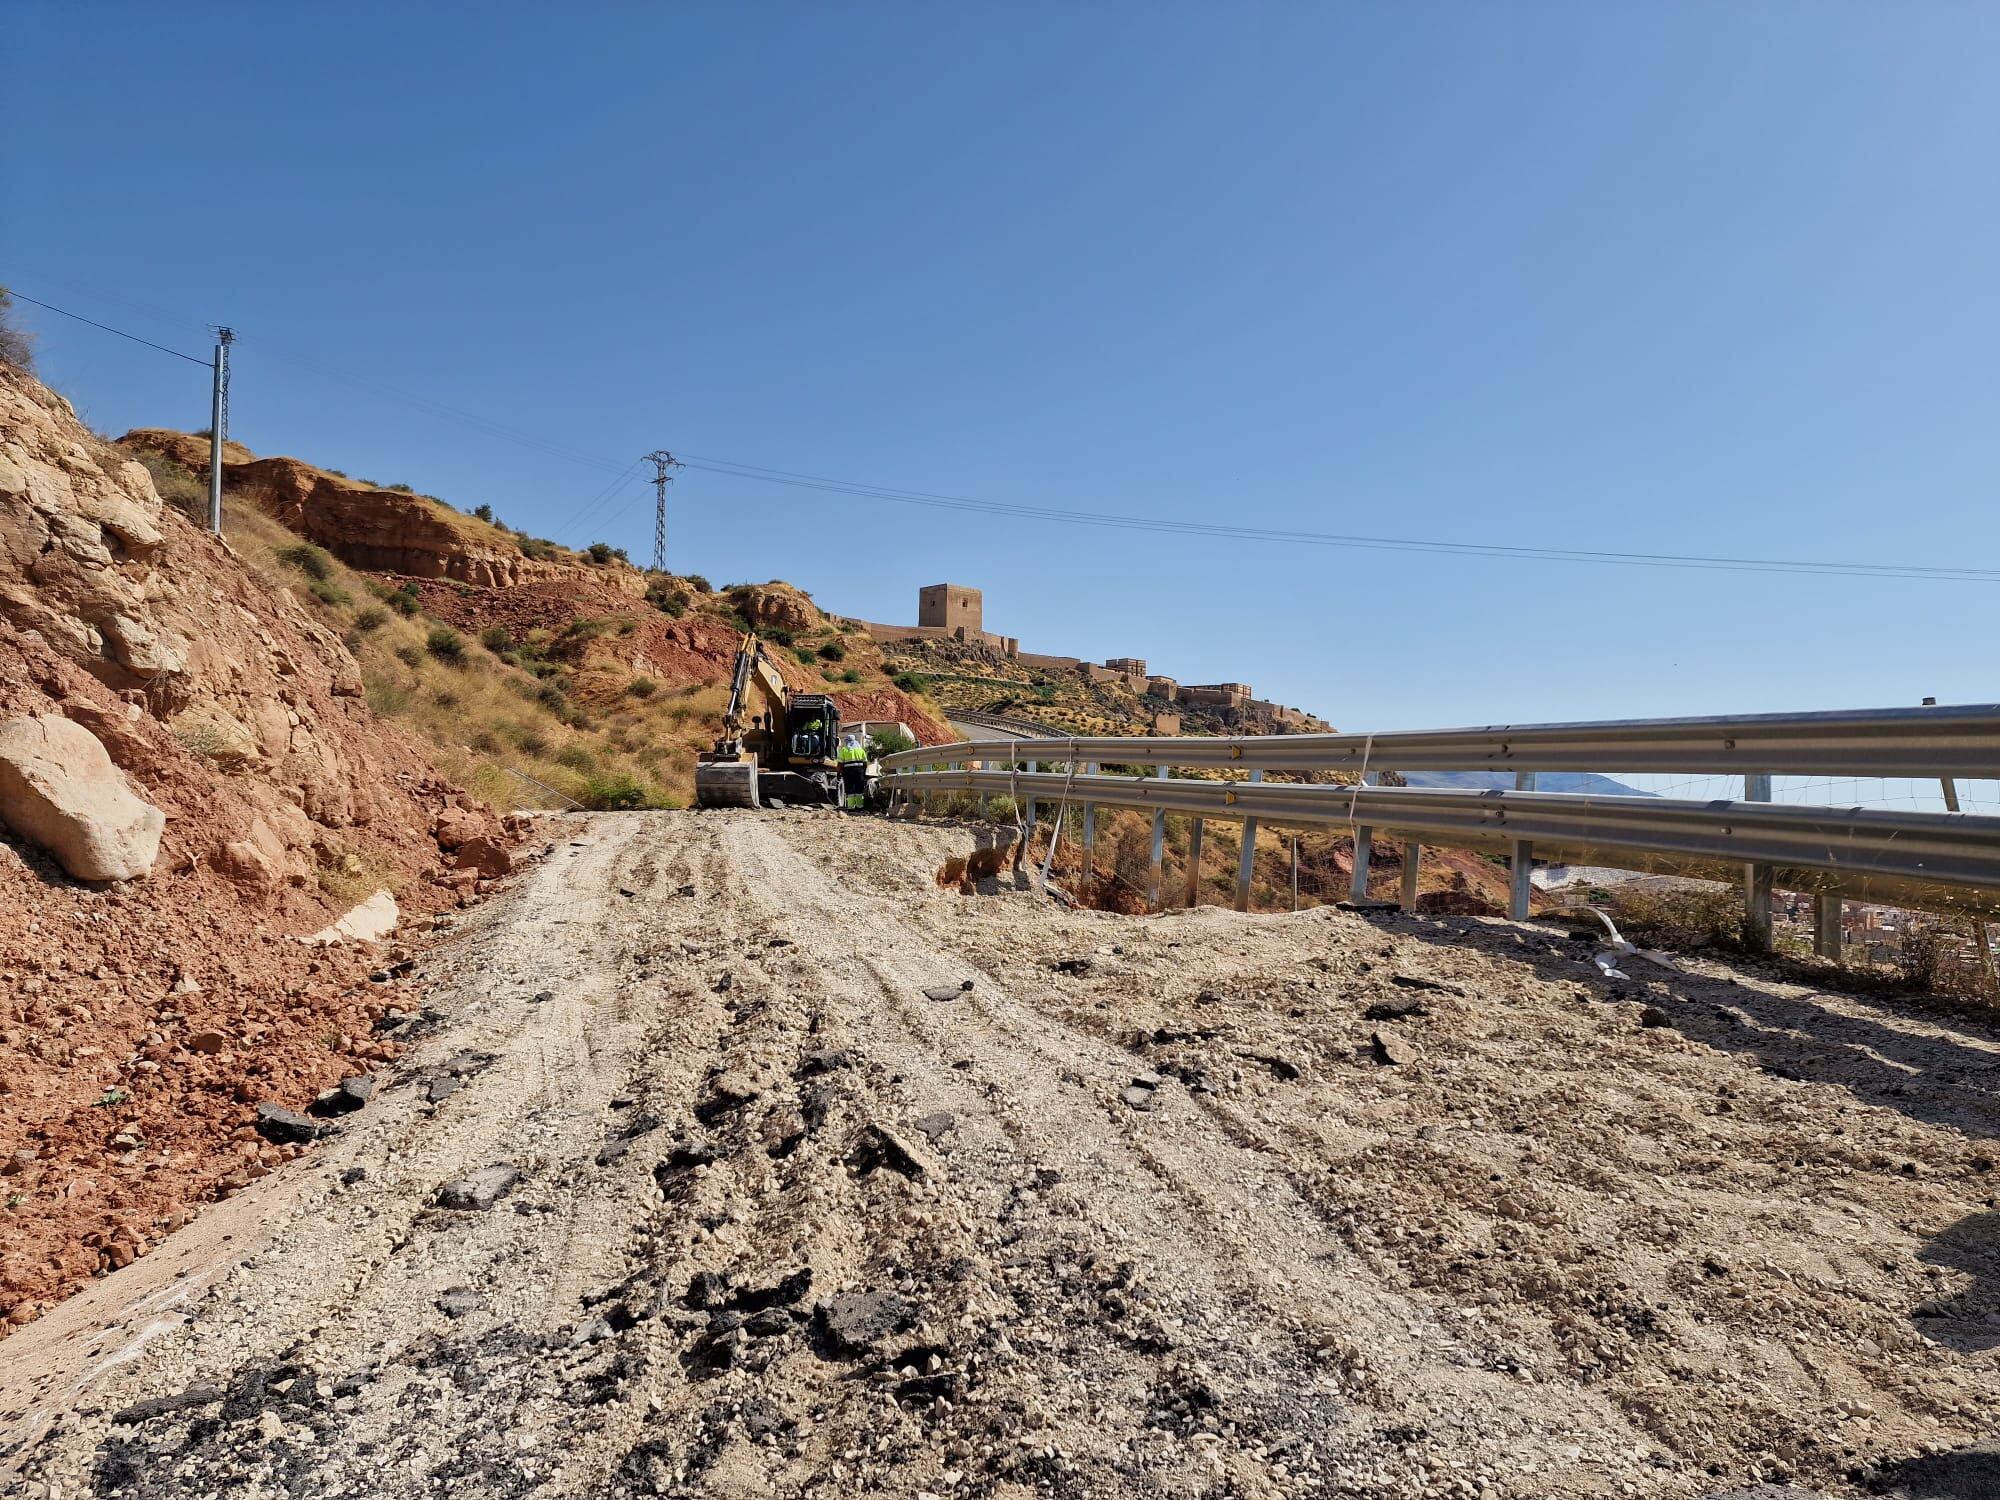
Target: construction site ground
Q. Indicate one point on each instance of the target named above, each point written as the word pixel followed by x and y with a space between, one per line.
pixel 738 1157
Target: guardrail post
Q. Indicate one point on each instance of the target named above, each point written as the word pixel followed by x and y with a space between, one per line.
pixel 1194 865
pixel 1153 870
pixel 1757 878
pixel 1413 854
pixel 1981 943
pixel 1826 927
pixel 1033 766
pixel 1246 861
pixel 1521 863
pixel 1090 832
pixel 1364 845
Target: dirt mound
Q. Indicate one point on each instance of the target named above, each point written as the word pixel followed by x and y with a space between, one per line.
pixel 140 1020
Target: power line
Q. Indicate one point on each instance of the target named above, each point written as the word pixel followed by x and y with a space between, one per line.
pixel 759 474
pixel 23 296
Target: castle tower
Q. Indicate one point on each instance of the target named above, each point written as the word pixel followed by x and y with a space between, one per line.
pixel 953 607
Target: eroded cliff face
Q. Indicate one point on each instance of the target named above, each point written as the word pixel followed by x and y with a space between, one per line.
pixel 195 785
pixel 380 530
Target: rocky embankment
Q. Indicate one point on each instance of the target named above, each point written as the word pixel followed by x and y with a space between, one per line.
pixel 191 787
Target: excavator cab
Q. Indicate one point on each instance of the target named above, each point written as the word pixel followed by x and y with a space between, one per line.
pixel 788 753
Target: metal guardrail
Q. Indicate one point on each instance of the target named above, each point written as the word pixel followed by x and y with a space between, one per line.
pixel 1936 861
pixel 1959 740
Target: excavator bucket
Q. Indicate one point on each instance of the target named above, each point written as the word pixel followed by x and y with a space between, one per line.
pixel 725 783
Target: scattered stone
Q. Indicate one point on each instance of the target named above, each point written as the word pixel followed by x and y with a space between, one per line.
pixel 686 890
pixel 727 1091
pixel 208 1043
pixel 946 991
pixel 853 1324
pixel 1137 1097
pixel 60 789
pixel 459 1301
pixel 284 1127
pixel 353 1175
pixel 880 1146
pixel 1390 1050
pixel 371 921
pixel 627 891
pixel 1652 1015
pixel 725 984
pixel 931 1126
pixel 440 1089
pixel 1279 1064
pixel 1078 966
pixel 481 1190
pixel 542 997
pixel 1210 997
pixel 1395 1010
pixel 1148 1080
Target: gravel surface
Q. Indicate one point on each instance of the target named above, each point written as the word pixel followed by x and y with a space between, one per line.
pixel 792 1173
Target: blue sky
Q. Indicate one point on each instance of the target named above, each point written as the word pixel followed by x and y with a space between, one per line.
pixel 1686 278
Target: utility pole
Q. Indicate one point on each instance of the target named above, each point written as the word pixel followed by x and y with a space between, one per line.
pixel 661 461
pixel 218 427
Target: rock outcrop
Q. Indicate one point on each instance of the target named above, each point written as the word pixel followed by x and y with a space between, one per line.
pixel 59 788
pixel 380 530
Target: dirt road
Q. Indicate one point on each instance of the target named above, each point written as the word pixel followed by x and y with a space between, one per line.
pixel 809 1177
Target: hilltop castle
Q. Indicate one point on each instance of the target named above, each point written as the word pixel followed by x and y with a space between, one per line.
pixel 953 611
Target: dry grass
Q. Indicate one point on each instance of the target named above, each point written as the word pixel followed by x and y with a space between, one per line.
pixel 486 719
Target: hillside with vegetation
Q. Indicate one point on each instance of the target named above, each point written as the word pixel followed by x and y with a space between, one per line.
pixel 541 675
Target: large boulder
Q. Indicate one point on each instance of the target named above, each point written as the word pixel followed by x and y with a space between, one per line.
pixel 59 788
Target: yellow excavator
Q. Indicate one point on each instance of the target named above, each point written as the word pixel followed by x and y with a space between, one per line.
pixel 788 752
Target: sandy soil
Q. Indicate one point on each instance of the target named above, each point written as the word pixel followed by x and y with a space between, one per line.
pixel 786 1224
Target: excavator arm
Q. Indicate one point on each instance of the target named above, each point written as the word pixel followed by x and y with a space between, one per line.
pixel 727 775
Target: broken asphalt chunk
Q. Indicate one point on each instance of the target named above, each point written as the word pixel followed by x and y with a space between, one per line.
pixel 853 1324
pixel 284 1127
pixel 480 1190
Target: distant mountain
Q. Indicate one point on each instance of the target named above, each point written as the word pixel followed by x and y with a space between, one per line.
pixel 1549 781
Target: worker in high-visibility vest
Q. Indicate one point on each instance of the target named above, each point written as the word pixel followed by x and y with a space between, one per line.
pixel 853 757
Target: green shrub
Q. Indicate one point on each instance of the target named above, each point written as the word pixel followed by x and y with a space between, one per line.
pixel 401 489
pixel 913 682
pixel 889 742
pixel 642 687
pixel 669 601
pixel 576 757
pixel 483 512
pixel 371 618
pixel 536 547
pixel 495 639
pixel 329 592
pixel 602 553
pixel 409 656
pixel 486 742
pixel 805 656
pixel 446 644
pixel 445 698
pixel 833 651
pixel 551 696
pixel 778 636
pixel 699 584
pixel 850 675
pixel 308 559
pixel 619 792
